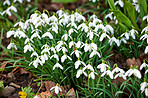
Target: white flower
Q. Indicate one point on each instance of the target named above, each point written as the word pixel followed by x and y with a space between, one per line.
pixel 113 39
pixel 44 57
pixel 35 35
pixel 64 50
pixel 123 39
pixel 11 45
pixel 21 24
pixel 93 46
pixel 108 72
pixel 119 2
pixel 65 37
pixel 84 27
pixel 86 47
pixel 143 37
pixel 145 29
pixel 57 65
pixel 146 50
pixel 45 18
pixel 120 75
pixel 103 36
pixel 36 62
pixel 88 67
pixel 102 67
pixel 53 19
pixel 57 89
pixel 143 85
pixel 132 33
pixel 78 63
pixel 53 49
pixel 34 54
pixel 117 69
pixel 60 13
pixel 143 65
pixel 71 44
pixel 55 56
pixel 6 2
pixel 133 71
pixel 90 34
pixel 109 28
pixel 79 17
pixel 28 47
pixel 20 1
pixel 36 96
pixel 145 18
pixel 79 72
pixel 64 57
pixel 19 33
pixel 93 17
pixel 10 33
pixel 28 40
pixel 78 44
pixel 146 92
pixel 77 53
pixel 48 34
pixel 94 52
pixel 71 31
pixel 92 75
pixel 109 15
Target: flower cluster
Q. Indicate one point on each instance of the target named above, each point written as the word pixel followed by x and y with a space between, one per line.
pixel 11 6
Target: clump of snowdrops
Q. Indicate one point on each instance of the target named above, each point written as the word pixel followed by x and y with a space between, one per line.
pixel 130 18
pixel 70 50
pixel 17 9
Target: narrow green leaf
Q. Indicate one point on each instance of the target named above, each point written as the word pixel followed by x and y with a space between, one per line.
pixel 111 4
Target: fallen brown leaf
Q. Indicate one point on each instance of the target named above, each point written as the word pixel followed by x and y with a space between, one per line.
pixel 134 62
pixel 49 84
pixel 47 94
pixel 71 93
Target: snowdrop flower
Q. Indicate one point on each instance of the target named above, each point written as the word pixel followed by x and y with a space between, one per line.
pixel 83 27
pixel 72 23
pixel 79 17
pixel 28 40
pixel 126 35
pixel 28 47
pixel 78 44
pixel 10 33
pixel 20 1
pixel 64 57
pixel 58 47
pixel 36 96
pixel 92 75
pixel 109 28
pixel 145 29
pixel 123 39
pixel 55 56
pixel 103 36
pixel 48 34
pixel 94 52
pixel 136 72
pixel 46 49
pixel 108 72
pixel 53 19
pixel 64 20
pixel 6 2
pixel 36 62
pixel 119 2
pixel 44 57
pixel 86 47
pixel 71 31
pixel 57 89
pixel 90 34
pixel 53 49
pixel 93 46
pixel 45 18
pixel 21 24
pixel 19 34
pixel 79 72
pixel 143 37
pixel 144 88
pixel 113 39
pixel 146 50
pixel 132 33
pixel 109 15
pixel 35 35
pixel 145 18
pixel 120 74
pixel 78 63
pixel 65 37
pixel 99 26
pixel 92 17
pixel 88 67
pixel 103 67
pixel 34 54
pixel 57 65
pixel 60 13
pixel 71 44
pixel 117 69
pixel 143 65
pixel 64 50
pixel 11 45
pixel 136 6
pixel 77 53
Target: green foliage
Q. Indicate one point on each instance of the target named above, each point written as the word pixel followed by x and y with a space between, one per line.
pixel 63 1
pixel 28 91
pixel 1 85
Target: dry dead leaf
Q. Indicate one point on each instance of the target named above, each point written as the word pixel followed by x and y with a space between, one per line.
pixel 49 84
pixel 71 93
pixel 47 94
pixel 134 62
pixel 8 90
pixel 15 85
